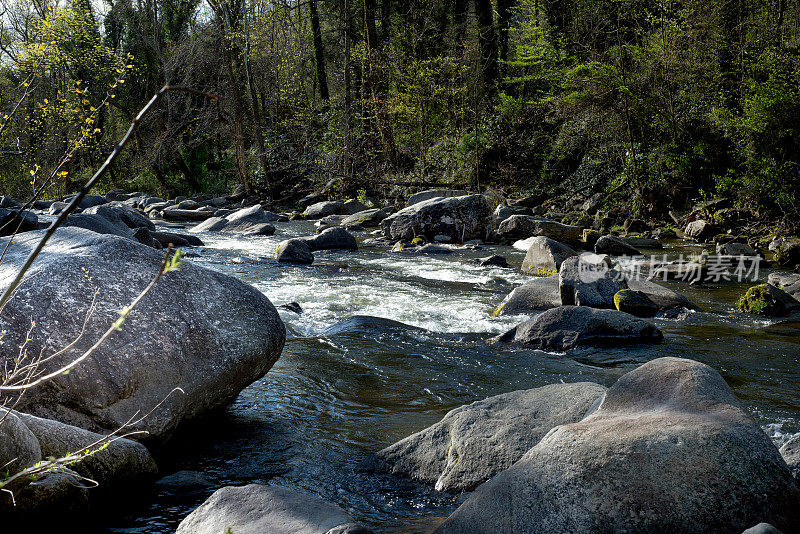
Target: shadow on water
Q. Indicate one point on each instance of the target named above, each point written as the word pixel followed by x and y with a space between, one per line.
pixel 347 386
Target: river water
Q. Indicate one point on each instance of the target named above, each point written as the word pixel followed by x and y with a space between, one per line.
pixel 335 397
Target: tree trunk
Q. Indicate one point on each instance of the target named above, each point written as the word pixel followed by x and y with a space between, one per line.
pixel 347 97
pixel 487 39
pixel 374 80
pixel 459 21
pixel 504 8
pixel 319 52
pixel 259 132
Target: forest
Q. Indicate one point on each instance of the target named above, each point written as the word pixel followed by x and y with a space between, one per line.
pixel 654 104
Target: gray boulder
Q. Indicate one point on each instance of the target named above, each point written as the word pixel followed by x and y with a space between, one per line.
pixel 789 282
pixel 354 206
pixel 294 251
pixel 13 221
pixel 736 249
pixel 98 224
pixel 120 215
pixel 525 226
pixel 588 280
pixel 19 447
pixel 57 207
pixel 642 242
pixel 176 240
pixel 88 201
pixel 259 509
pixel 670 449
pixel 435 193
pixel 787 250
pixel 367 218
pixel 175 214
pixel 791 454
pixel 762 528
pixel 323 209
pixel 331 239
pixel 542 294
pixel 568 327
pixel 458 219
pixel 614 246
pixel 178 336
pixel 534 296
pixel 9 203
pixel 700 230
pixel 475 442
pixel 121 463
pixel 545 256
pixel 504 211
pixel 247 221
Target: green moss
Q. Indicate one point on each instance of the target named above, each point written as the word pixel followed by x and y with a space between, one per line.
pixel 760 300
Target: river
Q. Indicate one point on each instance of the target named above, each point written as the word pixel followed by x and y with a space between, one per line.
pixel 333 398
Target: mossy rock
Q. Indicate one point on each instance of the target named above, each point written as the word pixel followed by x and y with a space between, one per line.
pixel 768 301
pixel 635 302
pixel 723 238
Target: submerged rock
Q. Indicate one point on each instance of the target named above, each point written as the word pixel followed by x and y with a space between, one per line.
pixel 568 327
pixel 259 509
pixel 670 449
pixel 458 218
pixel 180 335
pixel 475 442
pixel 494 260
pixel 367 324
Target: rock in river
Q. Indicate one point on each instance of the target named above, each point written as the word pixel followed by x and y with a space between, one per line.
pixel 791 453
pixel 205 332
pixel 524 226
pixel 259 509
pixel 475 442
pixel 567 327
pixel 588 280
pixel 545 256
pixel 670 449
pixel 248 221
pixel 295 251
pixel 458 218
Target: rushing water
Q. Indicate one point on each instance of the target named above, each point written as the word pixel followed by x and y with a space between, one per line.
pixel 332 399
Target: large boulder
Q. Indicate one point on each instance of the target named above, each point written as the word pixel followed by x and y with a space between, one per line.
pixel 353 206
pixel 700 230
pixel 247 221
pixel 534 296
pixel 368 218
pixel 98 224
pixel 294 251
pixel 789 282
pixel 525 226
pixel 323 209
pixel 609 244
pixel 791 454
pixel 435 193
pixel 542 294
pixel 204 332
pixel 545 256
pixel 259 509
pixel 331 239
pixel 19 447
pixel 87 201
pixel 120 215
pixel 475 442
pixel 787 250
pixel 458 219
pixel 670 449
pixel 588 280
pixel 768 300
pixel 17 221
pixel 120 463
pixel 568 327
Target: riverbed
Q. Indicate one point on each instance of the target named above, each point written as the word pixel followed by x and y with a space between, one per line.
pixel 335 397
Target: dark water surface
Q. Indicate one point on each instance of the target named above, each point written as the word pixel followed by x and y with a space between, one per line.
pixel 334 398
